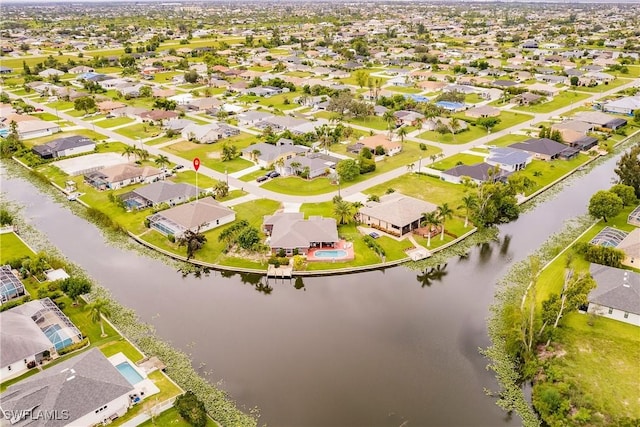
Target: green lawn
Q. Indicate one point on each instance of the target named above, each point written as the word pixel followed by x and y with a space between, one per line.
pixel 450 162
pixel 121 346
pixel 210 154
pixel 253 175
pixel 142 130
pixel 12 247
pixel 160 140
pixel 277 101
pixel 424 187
pixel 544 173
pixel 506 140
pixel 604 87
pixel 46 116
pixel 402 89
pixel 299 186
pixel 60 105
pixel 561 100
pixel 172 418
pixel 116 121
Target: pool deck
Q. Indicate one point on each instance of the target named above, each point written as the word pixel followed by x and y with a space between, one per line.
pixel 341 245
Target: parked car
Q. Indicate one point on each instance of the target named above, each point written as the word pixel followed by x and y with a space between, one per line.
pixel 178 167
pixel 374 235
pixel 273 174
pixel 262 178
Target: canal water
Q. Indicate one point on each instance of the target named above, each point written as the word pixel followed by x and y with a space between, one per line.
pixel 382 348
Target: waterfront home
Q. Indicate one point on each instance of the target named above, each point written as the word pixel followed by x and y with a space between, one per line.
pixel 265 155
pixel 11 286
pixel 204 214
pixel 630 245
pixel 544 148
pixel 478 173
pixel 600 120
pixel 85 390
pixel 159 192
pixel 66 146
pixel 31 333
pixel 395 213
pixel 634 217
pixel 119 176
pixel 616 295
pixel 509 159
pixel 34 128
pixel 626 105
pixel 290 232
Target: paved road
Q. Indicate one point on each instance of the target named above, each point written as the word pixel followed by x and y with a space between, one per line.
pixel 259 192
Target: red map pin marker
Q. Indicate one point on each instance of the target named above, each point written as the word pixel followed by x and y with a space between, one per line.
pixel 196 164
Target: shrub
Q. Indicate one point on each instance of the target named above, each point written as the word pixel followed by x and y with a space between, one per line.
pixel 74 347
pixel 171 238
pixel 423 146
pixel 191 409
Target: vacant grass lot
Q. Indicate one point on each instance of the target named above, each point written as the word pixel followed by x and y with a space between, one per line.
pixel 11 247
pixel 141 130
pixel 277 101
pixel 210 154
pixel 116 121
pixel 561 100
pixel 544 173
pixel 450 162
pixel 506 140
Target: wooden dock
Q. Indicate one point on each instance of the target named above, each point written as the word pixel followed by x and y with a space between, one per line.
pixel 282 272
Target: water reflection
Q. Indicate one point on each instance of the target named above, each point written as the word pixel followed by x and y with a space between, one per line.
pixel 486 250
pixel 504 246
pixel 433 274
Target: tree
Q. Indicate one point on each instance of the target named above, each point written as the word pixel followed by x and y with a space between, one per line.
pixel 145 91
pixel 348 169
pixel 431 219
pixel 574 80
pixel 390 119
pixel 626 194
pixel 74 287
pixel 248 237
pixel 255 154
pixel 362 77
pixel 85 104
pixel 628 169
pixel 97 309
pixel 454 123
pixel 191 76
pixel 444 212
pixel 469 202
pixel 191 409
pixel 402 132
pixel 488 122
pixel 342 209
pixel 162 161
pixel 605 204
pixel 142 154
pixel 6 217
pixel 220 189
pixel 229 152
pixel 127 61
pixel 129 151
pixel 193 240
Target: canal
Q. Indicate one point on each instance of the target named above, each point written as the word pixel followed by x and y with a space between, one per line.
pixel 383 348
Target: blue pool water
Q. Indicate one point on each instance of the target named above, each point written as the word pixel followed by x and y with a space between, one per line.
pixel 129 373
pixel 448 105
pixel 333 253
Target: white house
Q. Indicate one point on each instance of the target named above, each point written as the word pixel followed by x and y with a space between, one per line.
pixel 617 294
pixel 204 214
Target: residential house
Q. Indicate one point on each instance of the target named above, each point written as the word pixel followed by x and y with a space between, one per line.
pixel 250 118
pixel 160 192
pixel 634 217
pixel 81 69
pixel 30 129
pixel 508 159
pixel 30 333
pixel 118 176
pixel 203 104
pixel 85 390
pixel 546 90
pixel 478 173
pixel 626 105
pixel 209 133
pixel 66 146
pixel 395 213
pixel 630 245
pixel 601 120
pixel 434 123
pixel 544 149
pixel 409 118
pixel 177 125
pixel 50 72
pixel 128 111
pixel 372 142
pixel 158 115
pixel 203 215
pixel 106 107
pixel 11 286
pixel 527 98
pixel 617 294
pixel 265 155
pixel 291 233
pixel 482 112
pixel 311 164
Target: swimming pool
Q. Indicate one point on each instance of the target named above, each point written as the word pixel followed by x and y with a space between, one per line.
pixel 448 105
pixel 332 253
pixel 129 373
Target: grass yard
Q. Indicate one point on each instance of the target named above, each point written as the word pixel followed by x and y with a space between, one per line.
pixel 45 116
pixel 160 140
pixel 604 87
pixel 277 101
pixel 544 173
pixel 561 100
pixel 253 175
pixel 141 130
pixel 210 154
pixel 12 247
pixel 461 158
pixel 506 140
pixel 83 132
pixel 172 418
pixel 403 89
pixel 424 187
pixel 116 121
pixel 299 186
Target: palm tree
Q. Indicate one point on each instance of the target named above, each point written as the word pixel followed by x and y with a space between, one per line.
pixel 469 202
pixel 97 309
pixel 193 240
pixel 373 198
pixel 129 151
pixel 419 121
pixel 431 219
pixel 356 207
pixel 255 153
pixel 295 166
pixel 444 212
pixel 142 154
pixel 279 163
pixel 342 209
pixel 402 132
pixel 390 119
pixel 454 123
pixel 162 161
pixel 433 158
pixel 410 167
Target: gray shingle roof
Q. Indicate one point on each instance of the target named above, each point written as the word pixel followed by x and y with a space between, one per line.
pixel 480 172
pixel 270 152
pixel 508 156
pixel 291 231
pixel 20 338
pixel 62 144
pixel 397 209
pixel 79 385
pixel 617 288
pixel 545 146
pixel 163 191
